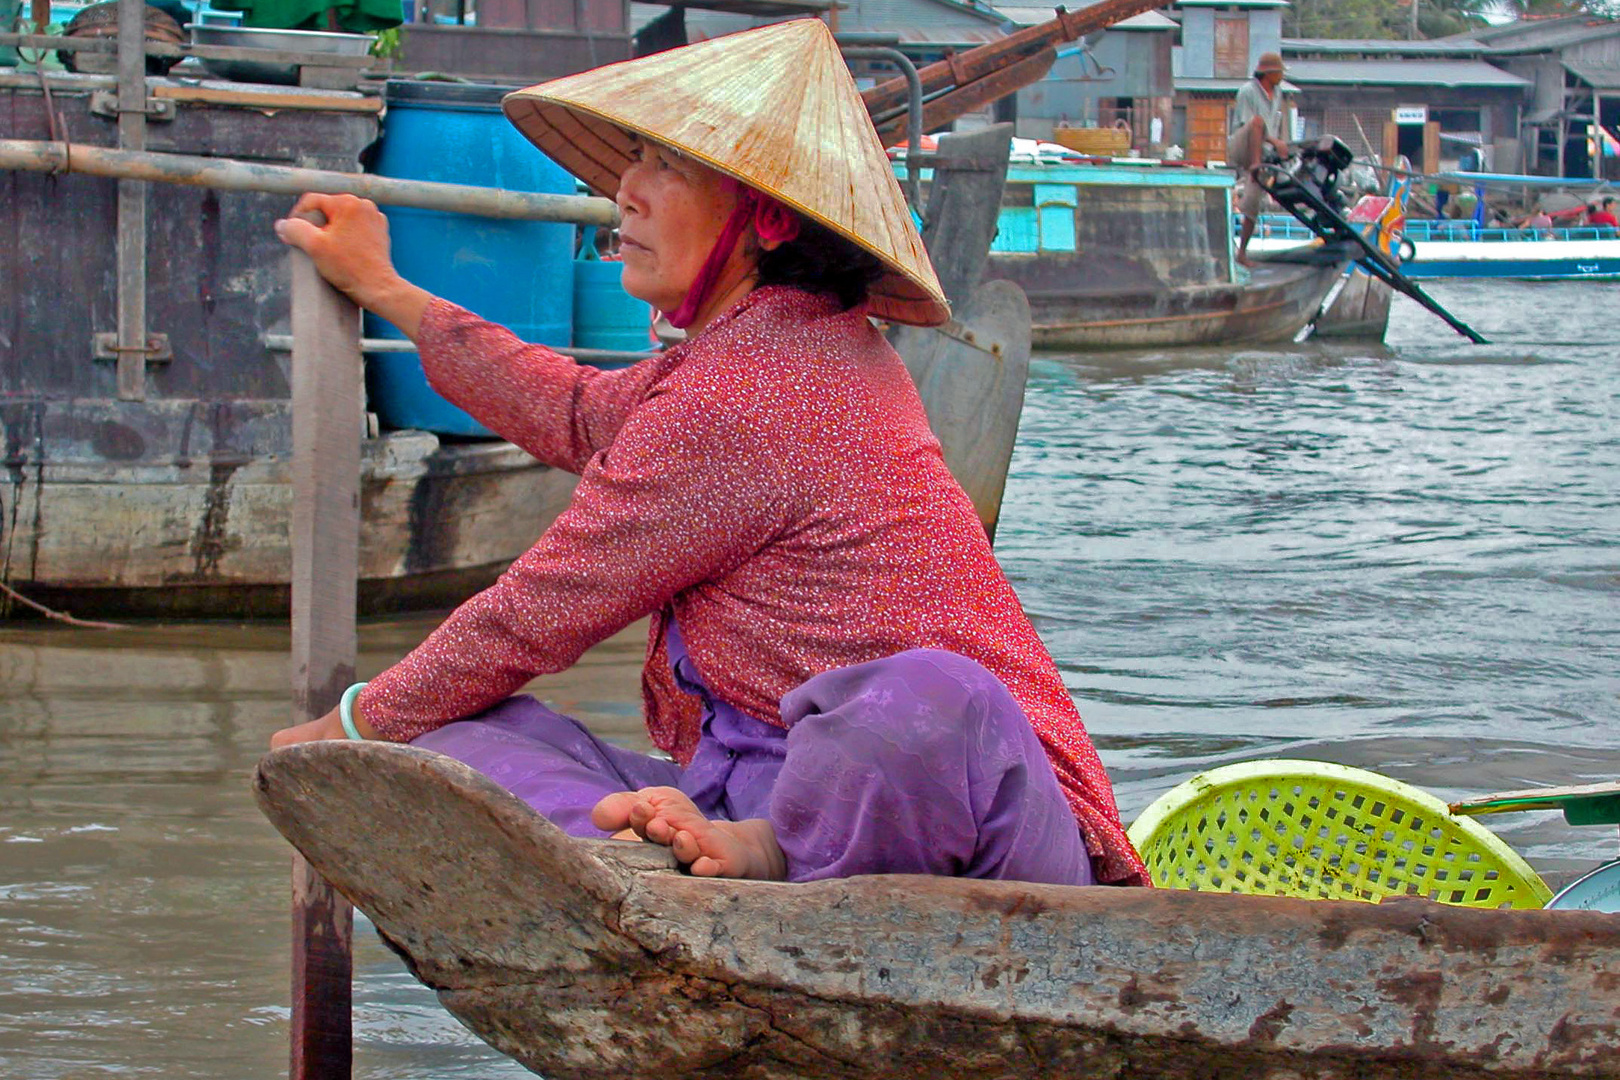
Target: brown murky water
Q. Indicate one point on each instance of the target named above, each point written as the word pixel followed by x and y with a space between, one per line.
pixel 1402 559
pixel 143 900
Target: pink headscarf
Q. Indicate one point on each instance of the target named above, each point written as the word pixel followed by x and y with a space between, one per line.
pixel 772 222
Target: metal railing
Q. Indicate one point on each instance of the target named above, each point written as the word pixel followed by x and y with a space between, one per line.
pixel 1282 227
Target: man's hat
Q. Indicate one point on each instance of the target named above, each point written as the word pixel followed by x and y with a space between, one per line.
pixel 773 107
pixel 1269 62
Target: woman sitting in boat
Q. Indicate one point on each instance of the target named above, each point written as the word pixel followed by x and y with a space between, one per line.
pixel 841 672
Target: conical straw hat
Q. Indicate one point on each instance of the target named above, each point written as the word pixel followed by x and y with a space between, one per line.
pixel 775 108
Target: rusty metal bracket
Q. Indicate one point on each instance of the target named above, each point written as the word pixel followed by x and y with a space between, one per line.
pixel 105 347
pixel 1072 22
pixel 105 103
pixel 958 331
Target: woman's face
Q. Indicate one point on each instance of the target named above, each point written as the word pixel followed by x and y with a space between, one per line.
pixel 672 210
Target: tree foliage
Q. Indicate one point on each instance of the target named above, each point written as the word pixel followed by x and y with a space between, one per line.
pixel 1390 19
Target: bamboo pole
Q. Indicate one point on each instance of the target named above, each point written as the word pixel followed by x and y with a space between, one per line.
pixel 327 396
pixel 229 175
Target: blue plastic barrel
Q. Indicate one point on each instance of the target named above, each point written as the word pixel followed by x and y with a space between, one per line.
pixel 519 274
pixel 10 19
pixel 605 316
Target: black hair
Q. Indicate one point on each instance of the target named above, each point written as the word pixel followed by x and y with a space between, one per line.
pixel 819 260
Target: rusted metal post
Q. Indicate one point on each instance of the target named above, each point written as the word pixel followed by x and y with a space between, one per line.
pixel 973 95
pixel 914 120
pixel 326 419
pixel 132 203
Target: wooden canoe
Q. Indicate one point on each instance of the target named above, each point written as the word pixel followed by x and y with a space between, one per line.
pixel 595 959
pixel 1074 306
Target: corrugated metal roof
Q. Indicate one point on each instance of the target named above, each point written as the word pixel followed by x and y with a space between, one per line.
pixel 946 35
pixel 1538 35
pixel 933 23
pixel 642 14
pixel 1222 86
pixel 1359 46
pixel 891 15
pixel 1033 16
pixel 1595 75
pixel 1443 73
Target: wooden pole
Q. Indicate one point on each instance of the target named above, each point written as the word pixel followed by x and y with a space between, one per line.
pixel 131 244
pixel 1599 172
pixel 327 418
pixel 225 174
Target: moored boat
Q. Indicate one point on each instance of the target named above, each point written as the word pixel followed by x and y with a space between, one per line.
pixel 1128 255
pixel 593 959
pixel 1463 249
pixel 176 502
pixel 169 494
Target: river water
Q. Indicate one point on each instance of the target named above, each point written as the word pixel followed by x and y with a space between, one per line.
pixel 1402 559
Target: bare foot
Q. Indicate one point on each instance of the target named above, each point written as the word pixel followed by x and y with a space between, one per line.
pixel 1244 260
pixel 663 815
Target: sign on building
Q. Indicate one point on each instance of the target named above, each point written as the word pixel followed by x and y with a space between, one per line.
pixel 1412 114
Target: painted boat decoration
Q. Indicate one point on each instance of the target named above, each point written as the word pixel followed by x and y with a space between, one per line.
pixel 1360 310
pixel 586 960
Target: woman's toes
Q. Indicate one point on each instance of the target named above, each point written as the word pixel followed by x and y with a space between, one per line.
pixel 685 846
pixel 612 814
pixel 645 818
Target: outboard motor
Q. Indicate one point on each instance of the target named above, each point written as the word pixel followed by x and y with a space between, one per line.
pixel 1313 168
pixel 1307 186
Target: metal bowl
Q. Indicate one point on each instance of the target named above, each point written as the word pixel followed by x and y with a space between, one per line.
pixel 252 37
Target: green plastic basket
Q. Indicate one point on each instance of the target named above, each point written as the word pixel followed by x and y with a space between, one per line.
pixel 1315 830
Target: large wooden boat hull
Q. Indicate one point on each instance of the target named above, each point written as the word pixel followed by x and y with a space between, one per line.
pixel 594 959
pixel 183 509
pixel 173 509
pixel 179 505
pixel 1073 307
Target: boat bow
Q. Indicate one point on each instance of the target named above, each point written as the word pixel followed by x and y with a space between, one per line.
pixel 587 959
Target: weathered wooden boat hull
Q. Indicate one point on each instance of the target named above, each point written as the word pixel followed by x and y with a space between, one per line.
pixel 182 509
pixel 1074 307
pixel 1360 311
pixel 592 959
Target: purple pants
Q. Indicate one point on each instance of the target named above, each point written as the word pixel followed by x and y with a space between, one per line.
pixel 919 763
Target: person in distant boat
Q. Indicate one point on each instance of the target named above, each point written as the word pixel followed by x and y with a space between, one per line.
pixel 839 669
pixel 1539 222
pixel 1602 214
pixel 1257 123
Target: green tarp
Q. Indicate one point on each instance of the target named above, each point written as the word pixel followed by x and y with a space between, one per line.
pixel 355 15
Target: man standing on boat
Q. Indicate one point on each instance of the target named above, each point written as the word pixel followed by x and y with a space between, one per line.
pixel 1257 121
